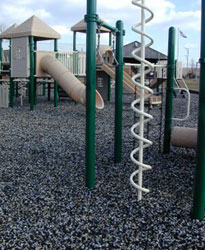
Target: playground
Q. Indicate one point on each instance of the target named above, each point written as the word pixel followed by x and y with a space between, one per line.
pixel 45 201
pixel 96 152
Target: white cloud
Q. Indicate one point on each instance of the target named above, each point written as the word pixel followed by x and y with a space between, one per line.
pixel 62 29
pixel 19 14
pixel 192 45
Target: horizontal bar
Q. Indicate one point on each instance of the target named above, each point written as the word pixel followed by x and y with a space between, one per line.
pixel 107 26
pixel 139 65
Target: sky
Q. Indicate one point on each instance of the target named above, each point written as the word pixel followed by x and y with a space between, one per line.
pixel 185 15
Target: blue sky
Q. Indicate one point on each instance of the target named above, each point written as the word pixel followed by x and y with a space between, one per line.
pixel 62 14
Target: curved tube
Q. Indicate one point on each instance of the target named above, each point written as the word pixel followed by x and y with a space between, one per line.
pixel 145 93
pixel 67 81
pixel 184 137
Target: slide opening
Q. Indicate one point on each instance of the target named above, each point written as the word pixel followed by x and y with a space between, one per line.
pixel 99 101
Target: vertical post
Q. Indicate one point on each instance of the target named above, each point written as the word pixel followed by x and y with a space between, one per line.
pixel 118 92
pixel 35 79
pixel 17 91
pixel 109 78
pixel 74 41
pixel 75 55
pixel 31 43
pixel 44 89
pixel 199 192
pixel 49 89
pixel 1 54
pixel 142 103
pixel 55 83
pixel 90 19
pixel 170 90
pixel 11 89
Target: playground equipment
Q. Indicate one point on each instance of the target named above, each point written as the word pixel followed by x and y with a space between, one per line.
pixel 188 137
pixel 144 117
pixel 27 62
pixel 92 20
pixel 67 81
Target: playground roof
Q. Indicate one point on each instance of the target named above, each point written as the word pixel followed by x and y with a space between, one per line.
pixel 150 54
pixel 81 27
pixel 33 27
pixel 6 33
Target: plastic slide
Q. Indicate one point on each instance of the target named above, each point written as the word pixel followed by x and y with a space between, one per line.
pixel 67 81
pixel 127 80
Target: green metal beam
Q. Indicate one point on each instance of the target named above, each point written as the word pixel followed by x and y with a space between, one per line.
pixel 109 78
pixel 90 19
pixel 74 40
pixel 107 26
pixel 199 192
pixel 55 83
pixel 170 89
pixel 118 92
pixel 11 88
pixel 1 54
pixel 35 79
pixel 31 43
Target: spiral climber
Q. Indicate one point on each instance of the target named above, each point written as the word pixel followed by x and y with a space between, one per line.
pixel 137 105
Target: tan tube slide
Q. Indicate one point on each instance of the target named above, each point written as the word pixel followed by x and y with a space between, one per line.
pixel 67 81
pixel 184 137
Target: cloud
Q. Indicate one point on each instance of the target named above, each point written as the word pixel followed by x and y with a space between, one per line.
pixel 19 14
pixel 192 45
pixel 62 29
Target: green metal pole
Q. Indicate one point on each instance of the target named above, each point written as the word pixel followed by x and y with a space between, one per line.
pixel 109 78
pixel 170 89
pixel 199 193
pixel 17 92
pixel 35 79
pixel 118 92
pixel 44 89
pixel 11 89
pixel 106 25
pixel 74 40
pixel 55 83
pixel 74 55
pixel 1 54
pixel 31 43
pixel 49 90
pixel 90 19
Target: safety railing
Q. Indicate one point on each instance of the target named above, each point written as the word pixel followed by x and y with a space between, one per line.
pixel 75 61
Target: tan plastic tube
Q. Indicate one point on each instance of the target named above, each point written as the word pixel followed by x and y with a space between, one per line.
pixel 184 137
pixel 67 81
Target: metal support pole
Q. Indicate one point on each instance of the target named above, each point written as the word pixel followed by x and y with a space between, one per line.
pixel 31 43
pixel 55 83
pixel 17 89
pixel 199 193
pixel 170 89
pixel 1 55
pixel 74 55
pixel 74 41
pixel 49 90
pixel 35 79
pixel 90 19
pixel 109 78
pixel 118 92
pixel 44 89
pixel 11 89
